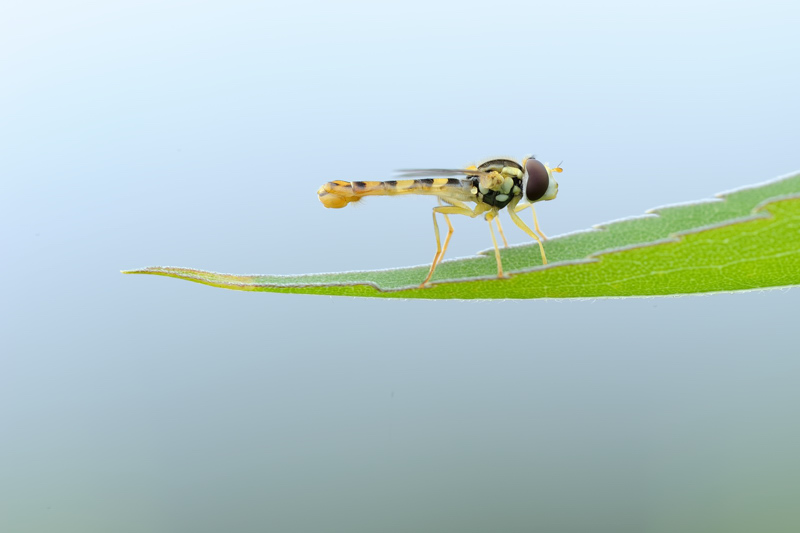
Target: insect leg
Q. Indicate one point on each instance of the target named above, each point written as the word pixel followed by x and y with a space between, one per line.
pixel 500 228
pixel 535 220
pixel 489 218
pixel 536 224
pixel 440 250
pixel 449 233
pixel 518 221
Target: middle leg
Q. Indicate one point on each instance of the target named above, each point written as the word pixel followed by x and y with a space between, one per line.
pixel 489 218
pixel 502 235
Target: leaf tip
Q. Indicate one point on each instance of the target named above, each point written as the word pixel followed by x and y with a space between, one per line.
pixel 146 270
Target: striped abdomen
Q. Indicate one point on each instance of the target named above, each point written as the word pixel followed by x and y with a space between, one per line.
pixel 338 194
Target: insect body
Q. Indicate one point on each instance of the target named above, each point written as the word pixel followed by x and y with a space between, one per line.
pixel 492 186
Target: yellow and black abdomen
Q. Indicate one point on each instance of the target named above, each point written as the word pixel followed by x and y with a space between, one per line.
pixel 337 194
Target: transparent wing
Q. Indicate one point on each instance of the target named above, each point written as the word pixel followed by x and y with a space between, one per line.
pixel 418 172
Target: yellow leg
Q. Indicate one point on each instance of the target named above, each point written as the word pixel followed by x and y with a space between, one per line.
pixel 535 220
pixel 446 239
pixel 518 221
pixel 440 250
pixel 536 223
pixel 489 218
pixel 500 228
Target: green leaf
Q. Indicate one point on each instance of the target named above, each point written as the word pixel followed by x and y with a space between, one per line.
pixel 746 239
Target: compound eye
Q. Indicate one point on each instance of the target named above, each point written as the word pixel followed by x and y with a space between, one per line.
pixel 538 180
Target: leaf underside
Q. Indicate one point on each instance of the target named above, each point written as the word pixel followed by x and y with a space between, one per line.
pixel 746 239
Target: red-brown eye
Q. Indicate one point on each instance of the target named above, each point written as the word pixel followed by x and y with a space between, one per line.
pixel 538 180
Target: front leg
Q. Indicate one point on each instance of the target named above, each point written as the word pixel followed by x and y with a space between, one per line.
pixel 518 221
pixel 535 219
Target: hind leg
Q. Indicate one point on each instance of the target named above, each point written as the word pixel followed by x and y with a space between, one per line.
pixel 440 250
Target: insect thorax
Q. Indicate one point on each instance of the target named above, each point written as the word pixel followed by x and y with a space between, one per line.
pixel 499 198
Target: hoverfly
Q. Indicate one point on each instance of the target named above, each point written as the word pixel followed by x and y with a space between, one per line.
pixel 492 185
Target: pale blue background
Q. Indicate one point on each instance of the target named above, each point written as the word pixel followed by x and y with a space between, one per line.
pixel 196 134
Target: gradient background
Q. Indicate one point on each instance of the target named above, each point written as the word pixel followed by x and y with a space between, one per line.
pixel 191 134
